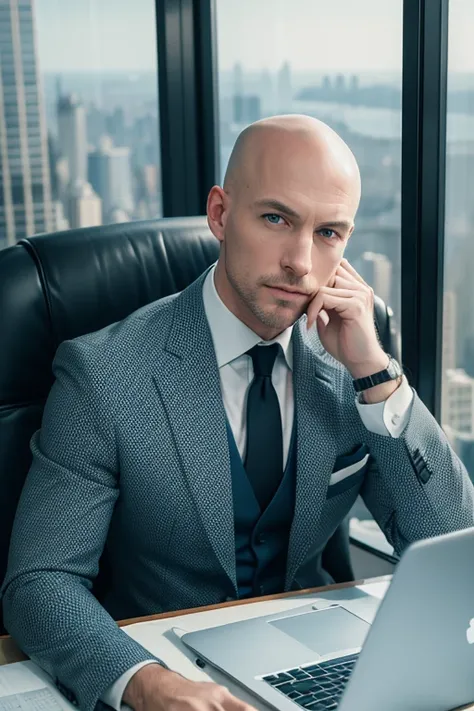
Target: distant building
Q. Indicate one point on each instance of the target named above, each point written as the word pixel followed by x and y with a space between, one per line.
pixel 284 89
pixel 354 83
pixel 60 221
pixel 72 129
pixel 448 362
pixel 115 126
pixel 267 91
pixel 246 109
pixel 458 414
pixel 25 191
pixel 340 83
pixel 96 123
pixel 376 269
pixel 111 177
pixel 449 330
pixel 238 79
pixel 84 206
pixel 460 402
pixel 118 215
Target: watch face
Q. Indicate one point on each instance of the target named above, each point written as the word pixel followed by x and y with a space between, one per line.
pixel 394 369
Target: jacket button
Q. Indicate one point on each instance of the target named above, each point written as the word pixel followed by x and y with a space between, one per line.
pixel 261 539
pixel 261 590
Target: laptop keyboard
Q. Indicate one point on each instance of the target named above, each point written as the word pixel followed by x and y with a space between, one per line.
pixel 317 687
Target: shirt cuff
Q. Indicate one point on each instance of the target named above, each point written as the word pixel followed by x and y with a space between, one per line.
pixel 113 695
pixel 391 416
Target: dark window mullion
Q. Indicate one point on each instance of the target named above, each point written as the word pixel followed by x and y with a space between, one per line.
pixel 168 21
pixel 207 96
pixel 187 96
pixel 423 189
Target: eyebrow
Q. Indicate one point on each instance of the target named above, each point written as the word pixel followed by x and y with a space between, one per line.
pixel 277 205
pixel 281 207
pixel 338 225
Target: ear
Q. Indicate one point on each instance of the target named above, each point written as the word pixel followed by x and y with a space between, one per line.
pixel 217 210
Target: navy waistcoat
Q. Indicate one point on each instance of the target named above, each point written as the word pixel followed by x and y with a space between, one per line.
pixel 261 538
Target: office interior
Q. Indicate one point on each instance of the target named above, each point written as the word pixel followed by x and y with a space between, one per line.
pixel 117 118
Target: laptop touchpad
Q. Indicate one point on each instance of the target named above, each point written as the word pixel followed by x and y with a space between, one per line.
pixel 332 629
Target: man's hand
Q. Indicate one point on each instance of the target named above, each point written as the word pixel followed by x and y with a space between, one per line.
pixel 154 688
pixel 344 313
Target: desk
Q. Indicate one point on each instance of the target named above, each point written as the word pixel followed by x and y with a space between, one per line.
pixel 147 630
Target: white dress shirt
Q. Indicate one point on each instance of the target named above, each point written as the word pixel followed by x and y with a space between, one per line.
pixel 232 338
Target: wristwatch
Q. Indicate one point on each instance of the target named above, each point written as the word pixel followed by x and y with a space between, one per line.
pixel 391 372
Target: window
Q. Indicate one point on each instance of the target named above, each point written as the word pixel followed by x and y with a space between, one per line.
pixel 85 79
pixel 298 57
pixel 457 392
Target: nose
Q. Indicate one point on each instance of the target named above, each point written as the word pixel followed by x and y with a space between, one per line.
pixel 297 257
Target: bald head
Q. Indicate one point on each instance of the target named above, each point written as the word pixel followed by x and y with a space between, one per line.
pixel 276 148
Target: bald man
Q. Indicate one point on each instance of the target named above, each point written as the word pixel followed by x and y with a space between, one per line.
pixel 213 441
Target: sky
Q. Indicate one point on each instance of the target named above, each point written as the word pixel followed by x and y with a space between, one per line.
pixel 319 35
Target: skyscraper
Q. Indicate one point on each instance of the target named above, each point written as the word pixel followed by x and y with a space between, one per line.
pixel 25 191
pixel 284 88
pixel 376 269
pixel 84 206
pixel 111 177
pixel 72 130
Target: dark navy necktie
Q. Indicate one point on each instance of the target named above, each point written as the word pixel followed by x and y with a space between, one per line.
pixel 264 455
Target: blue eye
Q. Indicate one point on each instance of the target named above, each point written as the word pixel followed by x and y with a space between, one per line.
pixel 331 236
pixel 272 218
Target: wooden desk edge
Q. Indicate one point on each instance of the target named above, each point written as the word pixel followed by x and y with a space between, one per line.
pixel 9 651
pixel 247 601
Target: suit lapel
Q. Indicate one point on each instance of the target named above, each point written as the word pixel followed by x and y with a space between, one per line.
pixel 316 441
pixel 187 378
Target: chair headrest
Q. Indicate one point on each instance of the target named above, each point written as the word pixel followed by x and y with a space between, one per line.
pixel 59 286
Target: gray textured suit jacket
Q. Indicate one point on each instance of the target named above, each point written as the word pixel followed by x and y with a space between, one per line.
pixel 133 454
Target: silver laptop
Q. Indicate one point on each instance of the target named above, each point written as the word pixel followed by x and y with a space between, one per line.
pixel 414 653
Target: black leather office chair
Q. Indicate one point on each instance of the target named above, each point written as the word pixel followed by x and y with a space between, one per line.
pixel 60 286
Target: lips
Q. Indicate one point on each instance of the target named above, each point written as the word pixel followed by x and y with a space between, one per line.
pixel 282 293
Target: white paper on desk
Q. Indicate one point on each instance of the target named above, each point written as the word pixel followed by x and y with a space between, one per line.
pixel 26 687
pixel 37 700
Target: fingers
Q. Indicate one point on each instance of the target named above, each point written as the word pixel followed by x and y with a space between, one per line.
pixel 343 283
pixel 232 703
pixel 343 293
pixel 235 704
pixel 324 316
pixel 347 266
pixel 347 303
pixel 346 284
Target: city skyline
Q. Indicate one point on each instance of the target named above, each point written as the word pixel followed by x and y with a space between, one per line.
pixel 337 36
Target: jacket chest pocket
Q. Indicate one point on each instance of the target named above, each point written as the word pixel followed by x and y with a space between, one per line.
pixel 349 470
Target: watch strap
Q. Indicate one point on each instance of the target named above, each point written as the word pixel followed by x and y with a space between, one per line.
pixel 391 372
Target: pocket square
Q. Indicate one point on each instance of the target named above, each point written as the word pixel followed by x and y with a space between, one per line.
pixel 350 470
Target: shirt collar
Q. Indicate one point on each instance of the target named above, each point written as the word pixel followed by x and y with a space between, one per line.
pixel 231 337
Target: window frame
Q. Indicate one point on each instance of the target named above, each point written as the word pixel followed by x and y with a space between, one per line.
pixel 187 79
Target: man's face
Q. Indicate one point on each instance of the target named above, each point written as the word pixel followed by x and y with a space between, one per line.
pixel 287 228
